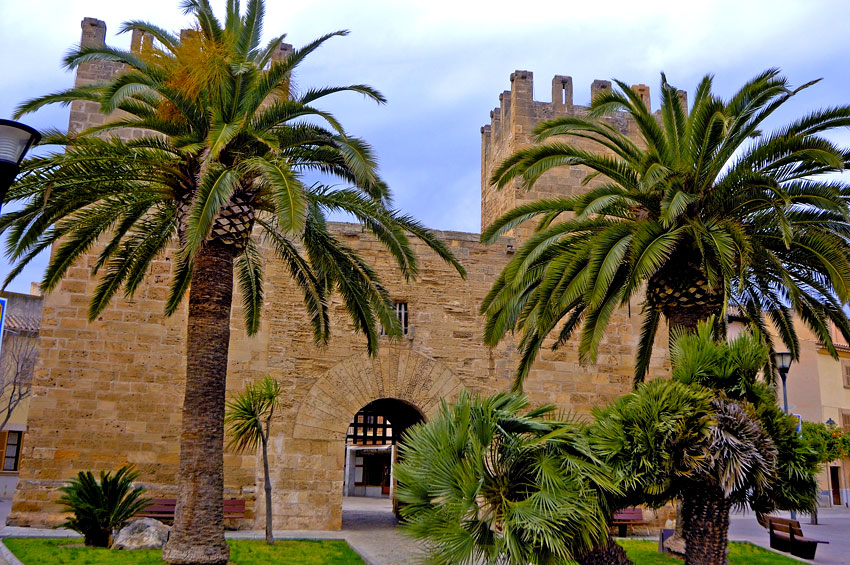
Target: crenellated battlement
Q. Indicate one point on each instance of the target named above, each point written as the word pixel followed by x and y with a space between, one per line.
pixel 518 104
pixel 511 128
pixel 86 113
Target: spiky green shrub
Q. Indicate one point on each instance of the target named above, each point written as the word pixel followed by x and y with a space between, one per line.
pixel 100 506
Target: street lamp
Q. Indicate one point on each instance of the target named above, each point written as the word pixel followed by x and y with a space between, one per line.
pixel 15 140
pixel 783 362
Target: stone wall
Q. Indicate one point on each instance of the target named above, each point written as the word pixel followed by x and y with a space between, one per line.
pixel 109 392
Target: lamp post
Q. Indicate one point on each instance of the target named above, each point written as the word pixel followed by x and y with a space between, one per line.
pixel 15 140
pixel 783 362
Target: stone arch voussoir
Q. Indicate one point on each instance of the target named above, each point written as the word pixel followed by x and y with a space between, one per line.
pixel 396 372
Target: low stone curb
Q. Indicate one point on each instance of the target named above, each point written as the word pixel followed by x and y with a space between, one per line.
pixel 8 556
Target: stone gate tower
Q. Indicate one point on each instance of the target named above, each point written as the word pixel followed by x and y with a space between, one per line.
pixel 109 392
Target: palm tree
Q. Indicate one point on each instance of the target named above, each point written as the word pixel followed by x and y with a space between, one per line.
pixel 249 417
pixel 221 170
pixel 484 482
pixel 754 455
pixel 701 212
pixel 712 436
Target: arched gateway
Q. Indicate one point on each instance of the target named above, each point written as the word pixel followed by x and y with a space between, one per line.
pixel 313 484
pixel 397 372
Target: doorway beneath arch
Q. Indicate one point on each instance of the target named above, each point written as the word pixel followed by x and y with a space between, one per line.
pixel 371 446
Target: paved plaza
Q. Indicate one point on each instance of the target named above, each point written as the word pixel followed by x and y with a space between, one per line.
pixel 833 526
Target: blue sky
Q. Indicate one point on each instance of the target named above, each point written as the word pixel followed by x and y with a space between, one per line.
pixel 442 65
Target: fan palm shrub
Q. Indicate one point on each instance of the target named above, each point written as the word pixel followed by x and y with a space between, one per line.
pixel 248 417
pixel 701 211
pixel 654 437
pixel 487 480
pixel 220 170
pixel 100 506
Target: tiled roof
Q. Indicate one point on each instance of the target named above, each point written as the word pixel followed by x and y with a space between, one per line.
pixel 838 346
pixel 20 323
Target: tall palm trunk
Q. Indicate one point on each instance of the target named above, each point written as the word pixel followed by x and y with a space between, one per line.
pixel 688 319
pixel 680 290
pixel 611 554
pixel 682 293
pixel 705 513
pixel 698 541
pixel 198 533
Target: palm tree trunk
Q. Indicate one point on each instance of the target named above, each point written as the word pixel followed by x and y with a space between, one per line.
pixel 198 533
pixel 705 513
pixel 267 485
pixel 682 319
pixel 688 319
pixel 611 554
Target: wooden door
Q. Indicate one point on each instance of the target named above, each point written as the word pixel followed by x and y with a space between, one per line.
pixel 834 482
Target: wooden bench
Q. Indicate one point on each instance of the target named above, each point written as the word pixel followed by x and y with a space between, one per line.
pixel 163 509
pixel 626 517
pixel 787 535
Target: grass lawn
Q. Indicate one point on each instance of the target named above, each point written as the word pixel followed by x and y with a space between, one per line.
pixel 68 551
pixel 645 552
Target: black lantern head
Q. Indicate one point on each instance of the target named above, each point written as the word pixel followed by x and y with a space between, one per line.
pixel 783 361
pixel 15 140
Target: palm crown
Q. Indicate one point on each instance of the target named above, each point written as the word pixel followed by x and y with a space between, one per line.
pixel 227 146
pixel 704 211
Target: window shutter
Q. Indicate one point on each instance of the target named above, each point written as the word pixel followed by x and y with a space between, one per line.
pixel 846 372
pixel 845 421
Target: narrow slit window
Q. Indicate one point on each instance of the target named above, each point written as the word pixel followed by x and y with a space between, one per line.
pixel 401 313
pixel 13 451
pixel 403 318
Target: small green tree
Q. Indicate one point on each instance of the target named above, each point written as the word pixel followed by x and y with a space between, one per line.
pixel 654 438
pixel 248 419
pixel 100 506
pixel 826 440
